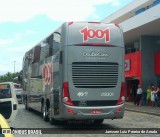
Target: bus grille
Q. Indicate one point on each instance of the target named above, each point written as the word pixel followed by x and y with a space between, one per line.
pixel 94 74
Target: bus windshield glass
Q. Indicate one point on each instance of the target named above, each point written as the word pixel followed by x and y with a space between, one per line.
pixel 5 91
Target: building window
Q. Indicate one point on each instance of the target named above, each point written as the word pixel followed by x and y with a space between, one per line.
pixel 132 47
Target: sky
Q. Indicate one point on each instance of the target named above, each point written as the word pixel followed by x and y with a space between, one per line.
pixel 24 23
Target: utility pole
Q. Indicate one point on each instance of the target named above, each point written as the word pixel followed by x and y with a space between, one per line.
pixel 14 65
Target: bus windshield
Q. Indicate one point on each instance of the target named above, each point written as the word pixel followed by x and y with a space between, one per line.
pixel 5 91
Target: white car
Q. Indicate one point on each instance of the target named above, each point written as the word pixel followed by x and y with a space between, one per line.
pixel 19 93
pixel 8 101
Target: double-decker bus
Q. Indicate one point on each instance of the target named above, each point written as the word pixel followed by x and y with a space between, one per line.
pixel 77 73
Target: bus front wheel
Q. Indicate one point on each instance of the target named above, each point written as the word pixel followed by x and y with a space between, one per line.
pixel 45 114
pixel 26 105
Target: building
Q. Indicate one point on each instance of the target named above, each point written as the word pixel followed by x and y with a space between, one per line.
pixel 140 21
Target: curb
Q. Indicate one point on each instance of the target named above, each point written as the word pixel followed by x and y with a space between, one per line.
pixel 138 111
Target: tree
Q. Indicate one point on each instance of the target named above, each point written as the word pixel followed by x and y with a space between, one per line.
pixel 9 77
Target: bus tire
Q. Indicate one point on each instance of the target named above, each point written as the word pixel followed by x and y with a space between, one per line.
pixel 98 121
pixel 45 114
pixel 26 105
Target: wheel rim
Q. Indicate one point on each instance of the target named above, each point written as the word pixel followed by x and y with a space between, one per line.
pixel 26 105
pixel 44 113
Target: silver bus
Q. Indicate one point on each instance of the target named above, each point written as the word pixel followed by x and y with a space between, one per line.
pixel 77 73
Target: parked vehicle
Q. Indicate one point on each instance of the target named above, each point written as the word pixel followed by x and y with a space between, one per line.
pixel 19 95
pixel 8 101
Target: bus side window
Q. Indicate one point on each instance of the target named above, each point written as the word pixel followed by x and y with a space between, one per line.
pixel 5 93
pixel 29 57
pixel 44 50
pixel 50 43
pixel 47 49
pixel 36 56
pixel 56 43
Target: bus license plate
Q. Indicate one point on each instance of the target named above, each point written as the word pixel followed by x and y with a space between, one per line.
pixel 96 111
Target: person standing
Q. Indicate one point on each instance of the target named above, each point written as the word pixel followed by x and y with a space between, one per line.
pixel 158 95
pixel 153 96
pixel 139 94
pixel 148 96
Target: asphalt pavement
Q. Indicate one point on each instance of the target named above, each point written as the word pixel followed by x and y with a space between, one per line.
pixel 130 106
